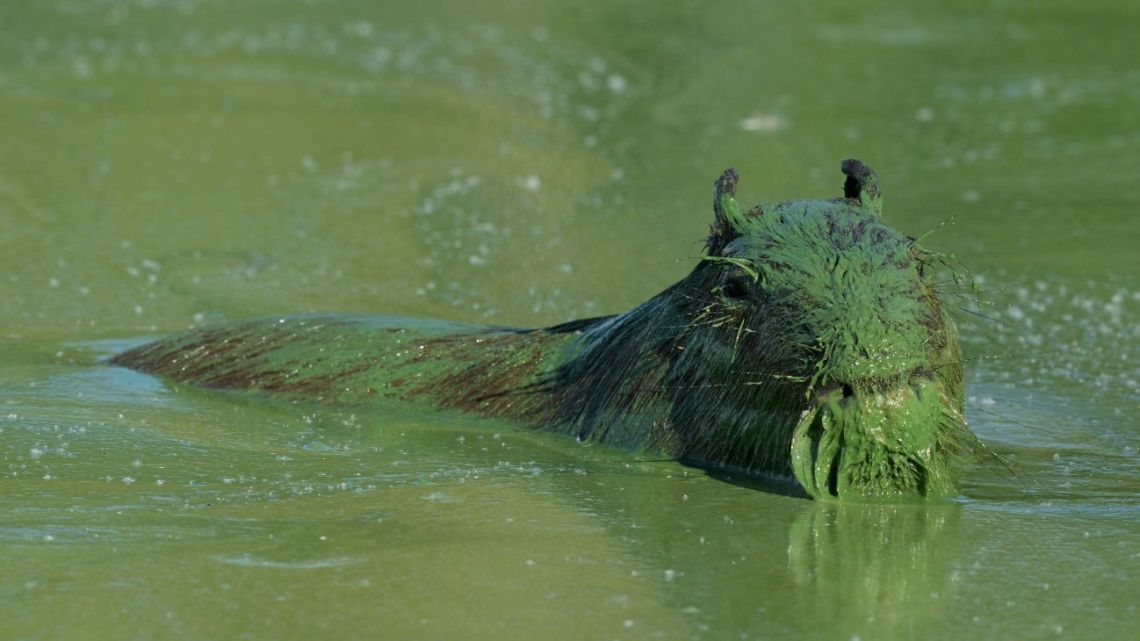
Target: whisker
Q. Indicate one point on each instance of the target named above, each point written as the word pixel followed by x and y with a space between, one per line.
pixel 948 221
pixel 1005 419
pixel 989 318
pixel 994 357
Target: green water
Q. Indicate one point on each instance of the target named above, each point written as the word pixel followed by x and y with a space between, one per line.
pixel 166 163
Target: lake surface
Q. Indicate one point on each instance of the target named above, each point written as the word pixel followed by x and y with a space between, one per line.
pixel 170 163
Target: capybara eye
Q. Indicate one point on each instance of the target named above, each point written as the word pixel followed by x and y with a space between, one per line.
pixel 738 287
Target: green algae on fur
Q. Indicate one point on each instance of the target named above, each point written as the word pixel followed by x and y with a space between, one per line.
pixel 809 341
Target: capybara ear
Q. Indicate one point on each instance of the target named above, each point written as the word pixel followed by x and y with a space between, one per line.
pixel 728 221
pixel 862 184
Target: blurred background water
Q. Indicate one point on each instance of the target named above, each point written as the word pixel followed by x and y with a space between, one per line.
pixel 169 163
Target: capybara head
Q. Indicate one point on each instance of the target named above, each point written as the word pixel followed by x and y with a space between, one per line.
pixel 816 342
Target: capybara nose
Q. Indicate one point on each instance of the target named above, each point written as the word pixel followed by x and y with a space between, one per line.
pixel 835 392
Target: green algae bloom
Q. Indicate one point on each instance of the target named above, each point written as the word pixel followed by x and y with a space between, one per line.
pixel 809 341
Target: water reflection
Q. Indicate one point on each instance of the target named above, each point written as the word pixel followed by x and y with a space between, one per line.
pixel 882 565
pixel 739 559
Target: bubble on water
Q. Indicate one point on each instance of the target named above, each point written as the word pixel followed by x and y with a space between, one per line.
pixel 360 28
pixel 588 81
pixel 82 67
pixel 761 122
